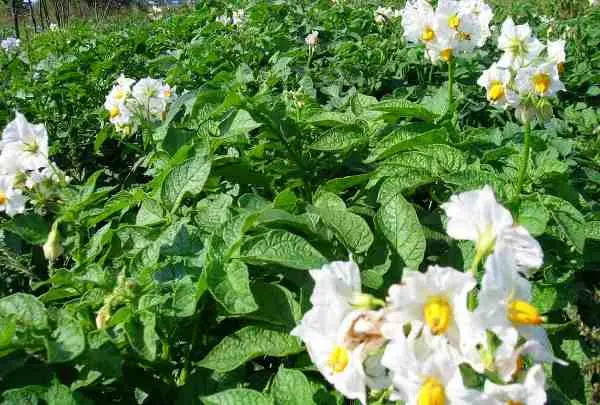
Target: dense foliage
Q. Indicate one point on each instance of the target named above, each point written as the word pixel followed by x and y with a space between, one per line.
pixel 187 242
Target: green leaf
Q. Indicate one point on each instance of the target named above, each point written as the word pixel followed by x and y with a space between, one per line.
pixel 291 387
pixel 238 123
pixel 276 304
pixel 230 286
pixel 338 139
pixel 404 108
pixel 570 220
pixel 283 248
pixel 248 343
pixel 213 211
pixel 28 311
pixel 142 336
pixel 187 178
pixel 238 396
pixel 343 183
pixel 397 221
pixel 351 229
pixel 150 213
pixel 533 216
pixel 406 138
pixel 32 228
pixel 67 340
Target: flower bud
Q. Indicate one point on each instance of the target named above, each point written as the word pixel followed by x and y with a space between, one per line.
pixel 52 248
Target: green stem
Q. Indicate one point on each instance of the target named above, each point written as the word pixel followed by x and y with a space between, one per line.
pixel 524 159
pixel 451 85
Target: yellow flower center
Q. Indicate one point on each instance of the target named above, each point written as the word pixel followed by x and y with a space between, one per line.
pixel 438 314
pixel 114 112
pixel 496 91
pixel 517 47
pixel 511 402
pixel 167 93
pixel 32 147
pixel 120 94
pixel 3 198
pixel 541 83
pixel 428 34
pixel 523 313
pixel 338 359
pixel 431 393
pixel 454 22
pixel 446 55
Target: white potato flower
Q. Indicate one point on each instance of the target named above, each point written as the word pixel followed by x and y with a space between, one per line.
pixel 384 14
pixel 441 49
pixel 541 80
pixel 418 22
pixel 12 201
pixel 10 44
pixel 505 300
pixel 151 96
pixel 437 298
pixel 594 3
pixel 425 370
pixel 484 14
pixel 223 19
pixel 53 27
pixel 339 337
pixel 519 46
pixel 238 17
pixel 530 392
pixel 557 54
pixel 478 217
pixel 497 82
pixel 312 39
pixel 27 141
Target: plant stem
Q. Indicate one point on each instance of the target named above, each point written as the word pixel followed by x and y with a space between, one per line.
pixel 524 159
pixel 450 85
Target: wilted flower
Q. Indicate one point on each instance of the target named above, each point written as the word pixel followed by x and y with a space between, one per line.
pixel 338 335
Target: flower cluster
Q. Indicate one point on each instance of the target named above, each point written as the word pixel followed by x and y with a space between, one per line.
pixel 526 74
pixel 384 14
pixel 24 163
pixel 413 346
pixel 312 40
pixel 129 102
pixel 10 44
pixel 155 13
pixel 452 29
pixel 237 18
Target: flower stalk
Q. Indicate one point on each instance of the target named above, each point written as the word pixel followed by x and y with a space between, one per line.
pixel 524 158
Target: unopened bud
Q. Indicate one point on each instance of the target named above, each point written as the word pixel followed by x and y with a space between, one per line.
pixel 52 248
